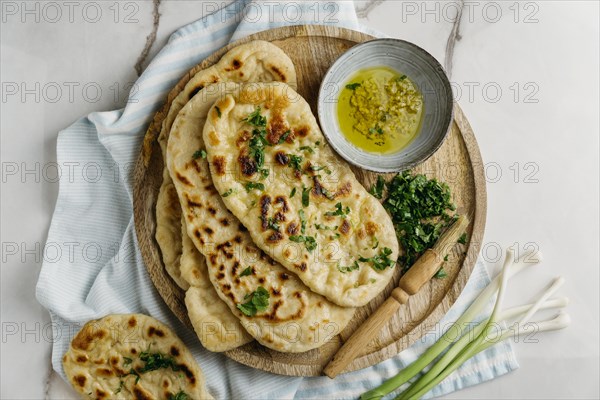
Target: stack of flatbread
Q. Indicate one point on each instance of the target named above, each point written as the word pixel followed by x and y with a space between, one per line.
pixel 258 220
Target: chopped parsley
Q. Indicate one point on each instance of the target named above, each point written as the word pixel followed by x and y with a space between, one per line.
pixel 227 193
pixel 246 272
pixel 419 209
pixel 317 168
pixel 309 242
pixel 199 154
pixel 377 188
pixel 127 361
pixel 256 119
pixel 302 221
pixel 257 145
pixel 255 301
pixel 380 261
pixel 181 395
pixel 325 227
pixel 293 193
pixel 154 361
pixel 377 130
pixel 284 137
pixel 305 196
pixel 441 274
pixel 344 269
pixel 353 86
pixel 339 211
pixel 463 238
pixel 218 111
pixel 263 173
pixel 253 185
pixel 306 148
pixel 318 143
pixel 296 162
pixel 334 236
pixel 375 243
pixel 272 223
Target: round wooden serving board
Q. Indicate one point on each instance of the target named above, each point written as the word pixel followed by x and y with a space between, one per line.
pixel 458 163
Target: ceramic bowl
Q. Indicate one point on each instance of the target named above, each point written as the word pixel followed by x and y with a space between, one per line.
pixel 422 69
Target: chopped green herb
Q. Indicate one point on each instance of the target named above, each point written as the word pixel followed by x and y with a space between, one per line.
pixel 154 361
pixel 318 143
pixel 263 173
pixel 253 185
pixel 377 188
pixel 302 221
pixel 256 301
pixel 344 269
pixel 293 193
pixel 284 137
pixel 327 194
pixel 121 383
pixel 325 227
pixel 127 361
pixel 306 148
pixel 296 162
pixel 418 207
pixel 256 119
pixel 309 242
pixel 317 168
pixel 334 236
pixel 272 223
pixel 339 211
pixel 446 257
pixel 181 395
pixel 380 261
pixel 227 193
pixel 257 145
pixel 441 274
pixel 305 196
pixel 246 272
pixel 353 86
pixel 375 243
pixel 199 154
pixel 377 130
pixel 463 238
pixel 218 111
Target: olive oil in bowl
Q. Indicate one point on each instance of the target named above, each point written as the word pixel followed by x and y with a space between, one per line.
pixel 380 110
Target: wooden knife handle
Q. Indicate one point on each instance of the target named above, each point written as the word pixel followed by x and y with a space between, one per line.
pixel 410 283
pixel 365 333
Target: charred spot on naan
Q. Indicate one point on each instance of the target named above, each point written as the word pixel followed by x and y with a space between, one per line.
pixel 87 336
pixel 248 166
pixel 219 165
pixel 276 128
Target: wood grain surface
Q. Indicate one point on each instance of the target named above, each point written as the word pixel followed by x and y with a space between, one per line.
pixel 458 163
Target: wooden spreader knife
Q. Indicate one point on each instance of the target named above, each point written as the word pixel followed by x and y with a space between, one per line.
pixel 420 273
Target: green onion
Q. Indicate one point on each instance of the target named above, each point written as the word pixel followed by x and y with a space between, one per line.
pixel 473 341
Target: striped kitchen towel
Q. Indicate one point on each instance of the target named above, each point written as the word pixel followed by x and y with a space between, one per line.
pixel 94 212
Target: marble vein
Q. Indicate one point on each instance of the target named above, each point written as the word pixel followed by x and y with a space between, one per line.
pixel 150 39
pixel 452 39
pixel 364 11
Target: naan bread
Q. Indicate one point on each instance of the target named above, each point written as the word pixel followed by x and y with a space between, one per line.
pixel 312 215
pixel 256 61
pixel 108 355
pixel 217 328
pixel 295 319
pixel 168 234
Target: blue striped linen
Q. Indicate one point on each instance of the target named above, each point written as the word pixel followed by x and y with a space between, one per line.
pixel 100 270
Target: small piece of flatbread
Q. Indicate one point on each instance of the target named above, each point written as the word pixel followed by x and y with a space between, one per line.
pixel 112 357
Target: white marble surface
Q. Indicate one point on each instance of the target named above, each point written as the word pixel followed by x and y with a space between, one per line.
pixel 541 134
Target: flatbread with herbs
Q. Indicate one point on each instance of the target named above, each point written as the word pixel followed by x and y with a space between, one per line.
pixel 299 201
